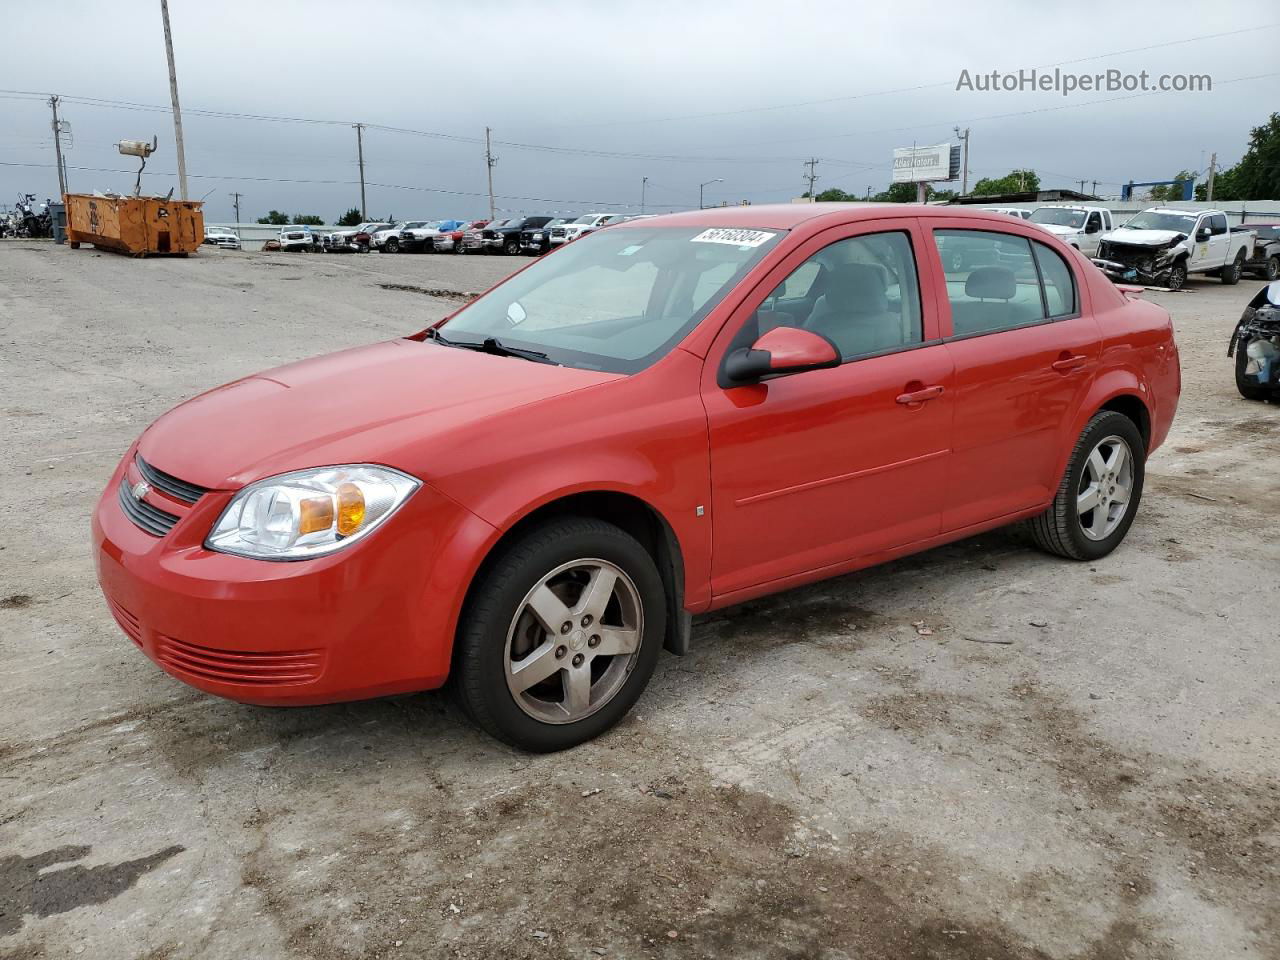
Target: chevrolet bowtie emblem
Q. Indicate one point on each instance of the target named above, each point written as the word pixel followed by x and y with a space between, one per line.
pixel 140 489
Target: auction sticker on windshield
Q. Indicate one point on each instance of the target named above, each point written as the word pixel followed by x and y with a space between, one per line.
pixel 736 238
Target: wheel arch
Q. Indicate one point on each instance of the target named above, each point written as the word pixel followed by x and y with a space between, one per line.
pixel 631 513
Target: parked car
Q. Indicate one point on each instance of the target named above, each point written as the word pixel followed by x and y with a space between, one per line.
pixel 506 238
pixel 524 496
pixel 297 237
pixel 473 239
pixel 419 237
pixel 443 229
pixel 1264 259
pixel 535 241
pixel 221 237
pixel 1018 212
pixel 378 239
pixel 344 240
pixel 1164 246
pixel 393 237
pixel 581 226
pixel 1255 344
pixel 451 241
pixel 1079 227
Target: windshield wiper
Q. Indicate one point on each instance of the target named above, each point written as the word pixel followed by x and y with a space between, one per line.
pixel 493 346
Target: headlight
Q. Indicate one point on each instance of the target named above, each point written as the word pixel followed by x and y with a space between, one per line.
pixel 310 512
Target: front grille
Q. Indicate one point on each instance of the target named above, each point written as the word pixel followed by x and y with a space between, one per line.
pixel 128 622
pixel 169 484
pixel 489 235
pixel 1131 255
pixel 235 666
pixel 557 231
pixel 151 519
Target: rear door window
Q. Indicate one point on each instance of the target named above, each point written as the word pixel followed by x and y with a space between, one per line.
pixel 992 281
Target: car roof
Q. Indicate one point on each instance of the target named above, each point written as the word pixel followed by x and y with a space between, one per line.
pixel 788 216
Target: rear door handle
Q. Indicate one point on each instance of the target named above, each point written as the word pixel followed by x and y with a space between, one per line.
pixel 920 396
pixel 1063 364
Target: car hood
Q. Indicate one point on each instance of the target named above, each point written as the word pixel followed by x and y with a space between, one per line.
pixel 1144 238
pixel 1059 229
pixel 377 404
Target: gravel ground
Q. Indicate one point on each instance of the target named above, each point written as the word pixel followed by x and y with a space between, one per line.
pixel 1073 761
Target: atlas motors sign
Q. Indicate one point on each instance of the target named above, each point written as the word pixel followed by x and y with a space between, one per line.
pixel 920 164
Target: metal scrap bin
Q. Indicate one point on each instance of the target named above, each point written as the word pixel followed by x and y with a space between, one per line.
pixel 139 226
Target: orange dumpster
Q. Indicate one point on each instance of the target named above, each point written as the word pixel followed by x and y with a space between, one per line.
pixel 139 226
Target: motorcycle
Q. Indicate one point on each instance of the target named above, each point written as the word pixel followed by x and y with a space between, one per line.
pixel 1255 344
pixel 29 222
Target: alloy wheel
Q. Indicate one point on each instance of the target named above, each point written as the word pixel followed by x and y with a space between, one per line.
pixel 573 641
pixel 1106 484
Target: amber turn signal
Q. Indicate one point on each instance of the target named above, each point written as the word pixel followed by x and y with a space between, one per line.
pixel 350 509
pixel 315 515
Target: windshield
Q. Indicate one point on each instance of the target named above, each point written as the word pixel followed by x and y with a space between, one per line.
pixel 1059 217
pixel 1265 233
pixel 1150 220
pixel 616 300
pixel 589 218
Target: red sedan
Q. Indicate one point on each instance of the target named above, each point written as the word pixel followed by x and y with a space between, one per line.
pixel 664 418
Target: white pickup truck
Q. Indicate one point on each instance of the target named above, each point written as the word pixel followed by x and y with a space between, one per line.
pixel 1079 227
pixel 1163 246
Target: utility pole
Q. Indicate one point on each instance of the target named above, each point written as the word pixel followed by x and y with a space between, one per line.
pixel 235 200
pixel 1082 186
pixel 811 176
pixel 57 150
pixel 1213 168
pixel 964 164
pixel 489 161
pixel 360 159
pixel 644 182
pixel 1095 188
pixel 173 95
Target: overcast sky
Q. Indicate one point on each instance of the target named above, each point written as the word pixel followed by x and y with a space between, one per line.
pixel 702 90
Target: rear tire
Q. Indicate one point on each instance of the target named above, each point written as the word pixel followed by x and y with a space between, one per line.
pixel 1068 530
pixel 1231 274
pixel 1272 270
pixel 499 617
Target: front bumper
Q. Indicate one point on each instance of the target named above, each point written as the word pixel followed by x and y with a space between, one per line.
pixel 1124 273
pixel 375 619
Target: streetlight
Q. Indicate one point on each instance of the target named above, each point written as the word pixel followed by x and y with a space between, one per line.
pixel 707 184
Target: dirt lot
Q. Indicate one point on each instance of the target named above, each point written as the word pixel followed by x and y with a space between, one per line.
pixel 1080 761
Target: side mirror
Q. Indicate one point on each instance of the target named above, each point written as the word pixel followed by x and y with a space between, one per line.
pixel 781 350
pixel 1093 228
pixel 1203 234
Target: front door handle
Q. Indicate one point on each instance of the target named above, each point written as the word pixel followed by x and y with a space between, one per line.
pixel 1063 364
pixel 920 396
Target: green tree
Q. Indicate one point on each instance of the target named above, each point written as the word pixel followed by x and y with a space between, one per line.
pixel 834 195
pixel 351 218
pixel 1257 175
pixel 1015 181
pixel 310 219
pixel 899 193
pixel 275 217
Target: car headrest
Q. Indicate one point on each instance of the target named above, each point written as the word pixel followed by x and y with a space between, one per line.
pixel 859 288
pixel 991 283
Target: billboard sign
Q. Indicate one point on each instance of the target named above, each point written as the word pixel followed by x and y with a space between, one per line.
pixel 921 164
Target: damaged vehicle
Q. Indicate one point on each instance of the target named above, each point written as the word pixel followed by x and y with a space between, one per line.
pixel 1162 247
pixel 1255 345
pixel 1265 260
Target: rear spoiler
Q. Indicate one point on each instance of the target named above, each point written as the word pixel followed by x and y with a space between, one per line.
pixel 1129 290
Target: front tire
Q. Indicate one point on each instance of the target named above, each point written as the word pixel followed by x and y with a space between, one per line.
pixel 1099 493
pixel 1248 386
pixel 560 635
pixel 512 248
pixel 1177 276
